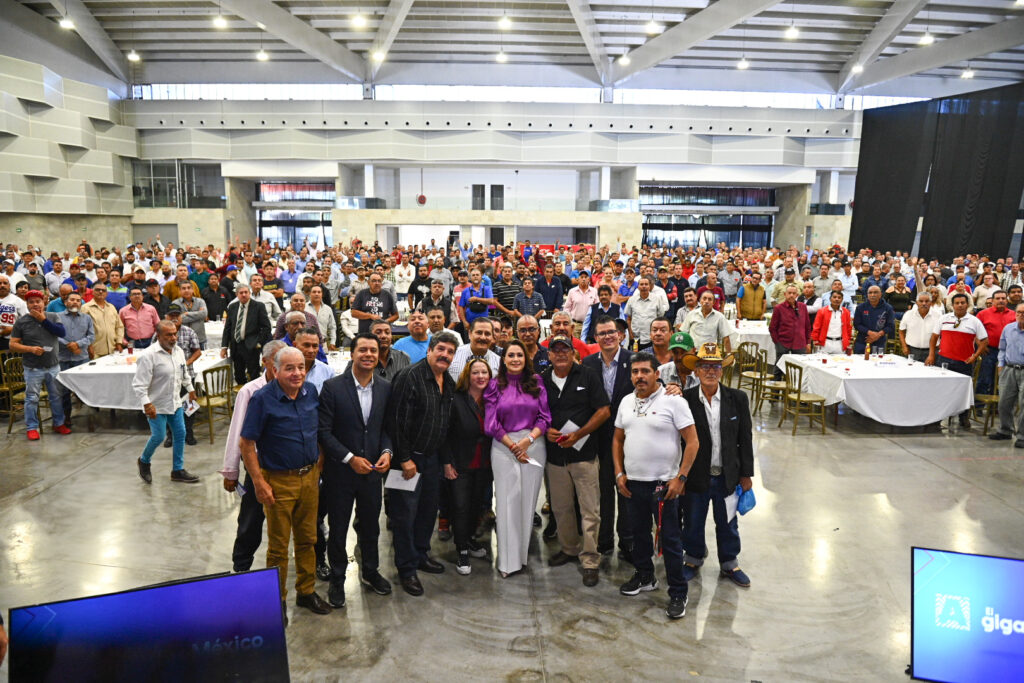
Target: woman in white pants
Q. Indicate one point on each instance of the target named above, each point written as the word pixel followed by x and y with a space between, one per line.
pixel 516 416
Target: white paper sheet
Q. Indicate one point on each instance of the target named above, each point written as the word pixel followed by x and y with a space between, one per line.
pixel 731 503
pixel 396 481
pixel 568 428
pixel 191 407
pixel 531 461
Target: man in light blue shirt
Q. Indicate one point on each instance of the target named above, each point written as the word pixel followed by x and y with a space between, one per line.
pixel 73 350
pixel 415 345
pixel 1011 379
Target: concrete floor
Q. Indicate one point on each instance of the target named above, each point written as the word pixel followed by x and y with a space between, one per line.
pixel 827 549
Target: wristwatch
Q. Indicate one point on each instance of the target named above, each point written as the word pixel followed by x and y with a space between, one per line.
pixel 681 477
pixel 531 438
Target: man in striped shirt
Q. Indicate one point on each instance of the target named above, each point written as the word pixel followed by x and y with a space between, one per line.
pixel 959 340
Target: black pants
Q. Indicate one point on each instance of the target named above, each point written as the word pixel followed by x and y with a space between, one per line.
pixel 246 363
pixel 609 497
pixel 470 491
pixel 343 489
pixel 320 548
pixel 250 529
pixel 780 351
pixel 413 514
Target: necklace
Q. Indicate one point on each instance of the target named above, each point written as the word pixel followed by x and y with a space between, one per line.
pixel 641 406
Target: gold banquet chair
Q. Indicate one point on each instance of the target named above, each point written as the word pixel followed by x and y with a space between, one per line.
pixel 768 389
pixel 12 386
pixel 798 402
pixel 216 398
pixel 989 402
pixel 748 368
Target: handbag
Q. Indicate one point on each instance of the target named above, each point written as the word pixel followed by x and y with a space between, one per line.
pixel 476 306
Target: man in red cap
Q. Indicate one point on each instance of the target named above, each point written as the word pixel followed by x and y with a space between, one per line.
pixel 35 336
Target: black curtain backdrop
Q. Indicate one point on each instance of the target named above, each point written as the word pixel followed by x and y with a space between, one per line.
pixel 895 154
pixel 977 174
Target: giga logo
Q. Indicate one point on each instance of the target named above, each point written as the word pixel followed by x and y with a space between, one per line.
pixel 992 622
pixel 952 612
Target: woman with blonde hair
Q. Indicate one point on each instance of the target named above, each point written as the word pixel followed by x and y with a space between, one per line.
pixel 467 460
pixel 516 415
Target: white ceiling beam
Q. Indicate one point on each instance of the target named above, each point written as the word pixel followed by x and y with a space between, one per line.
pixel 300 35
pixel 390 25
pixel 1001 36
pixel 591 35
pixel 94 36
pixel 697 28
pixel 888 27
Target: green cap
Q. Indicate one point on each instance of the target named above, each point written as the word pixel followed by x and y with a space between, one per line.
pixel 681 340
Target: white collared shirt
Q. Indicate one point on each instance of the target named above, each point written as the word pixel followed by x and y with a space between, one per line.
pixel 714 413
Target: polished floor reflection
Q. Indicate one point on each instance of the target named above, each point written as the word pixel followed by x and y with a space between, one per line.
pixel 827 550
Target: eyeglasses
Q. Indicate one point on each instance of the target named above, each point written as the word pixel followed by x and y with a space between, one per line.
pixel 606 333
pixel 710 368
pixel 528 330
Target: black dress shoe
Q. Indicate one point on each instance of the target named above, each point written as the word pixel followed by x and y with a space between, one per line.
pixel 412 585
pixel 144 472
pixel 314 603
pixel 184 476
pixel 431 566
pixel 560 558
pixel 1019 443
pixel 191 440
pixel 323 571
pixel 999 436
pixel 167 442
pixel 377 583
pixel 336 596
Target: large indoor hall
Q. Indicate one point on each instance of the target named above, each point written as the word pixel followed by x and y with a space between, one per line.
pixel 511 340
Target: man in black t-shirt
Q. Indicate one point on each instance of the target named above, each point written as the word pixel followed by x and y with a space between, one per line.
pixel 273 284
pixel 374 302
pixel 420 286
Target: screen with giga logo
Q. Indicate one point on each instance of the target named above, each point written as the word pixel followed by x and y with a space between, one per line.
pixel 967 617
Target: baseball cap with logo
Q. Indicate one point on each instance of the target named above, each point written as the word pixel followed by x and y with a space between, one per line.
pixel 681 340
pixel 559 339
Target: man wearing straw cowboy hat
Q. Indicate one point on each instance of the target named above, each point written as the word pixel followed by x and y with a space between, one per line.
pixel 725 458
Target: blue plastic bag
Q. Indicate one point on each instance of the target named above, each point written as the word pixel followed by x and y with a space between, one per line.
pixel 746 501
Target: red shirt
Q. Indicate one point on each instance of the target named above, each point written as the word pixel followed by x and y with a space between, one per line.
pixel 717 291
pixel 790 326
pixel 580 347
pixel 995 322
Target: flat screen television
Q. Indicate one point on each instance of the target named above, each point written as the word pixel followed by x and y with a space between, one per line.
pixel 226 627
pixel 966 617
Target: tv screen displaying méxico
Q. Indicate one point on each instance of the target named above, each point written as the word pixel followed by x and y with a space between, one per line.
pixel 221 628
pixel 967 617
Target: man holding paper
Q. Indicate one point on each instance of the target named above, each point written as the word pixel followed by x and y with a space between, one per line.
pixel 357 453
pixel 725 458
pixel 578 405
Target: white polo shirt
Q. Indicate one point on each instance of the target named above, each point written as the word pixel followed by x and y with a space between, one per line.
pixel 652 448
pixel 919 330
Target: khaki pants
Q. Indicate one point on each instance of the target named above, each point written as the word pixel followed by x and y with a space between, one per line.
pixel 296 497
pixel 569 483
pixel 578 330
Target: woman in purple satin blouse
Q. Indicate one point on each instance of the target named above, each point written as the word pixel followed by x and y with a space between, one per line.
pixel 516 415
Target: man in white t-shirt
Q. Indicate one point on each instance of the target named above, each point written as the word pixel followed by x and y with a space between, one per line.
pixel 650 471
pixel 11 308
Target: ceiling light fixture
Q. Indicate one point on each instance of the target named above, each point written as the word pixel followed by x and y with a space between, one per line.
pixel 66 23
pixel 379 55
pixel 219 21
pixel 858 68
pixel 743 64
pixel 792 33
pixel 501 57
pixel 967 73
pixel 927 38
pixel 652 27
pixel 133 56
pixel 262 55
pixel 504 23
pixel 624 60
pixel 359 20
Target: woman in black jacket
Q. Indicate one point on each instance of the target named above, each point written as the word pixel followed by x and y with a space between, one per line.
pixel 467 459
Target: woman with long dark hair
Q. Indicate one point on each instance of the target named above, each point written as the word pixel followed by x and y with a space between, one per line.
pixel 516 415
pixel 467 460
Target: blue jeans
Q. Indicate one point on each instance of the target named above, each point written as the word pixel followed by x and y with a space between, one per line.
pixel 65 393
pixel 157 431
pixel 34 380
pixel 695 515
pixel 643 513
pixel 987 373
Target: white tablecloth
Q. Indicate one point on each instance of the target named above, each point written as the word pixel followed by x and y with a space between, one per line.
pixel 108 382
pixel 893 391
pixel 214 332
pixel 753 331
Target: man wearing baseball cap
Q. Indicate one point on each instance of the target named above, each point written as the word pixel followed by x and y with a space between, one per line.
pixel 725 458
pixel 36 336
pixel 675 375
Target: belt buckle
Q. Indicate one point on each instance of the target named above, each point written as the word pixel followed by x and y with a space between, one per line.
pixel 716 471
pixel 303 470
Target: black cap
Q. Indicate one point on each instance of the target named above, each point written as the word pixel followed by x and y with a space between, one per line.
pixel 174 309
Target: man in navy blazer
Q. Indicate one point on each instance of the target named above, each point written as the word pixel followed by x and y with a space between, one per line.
pixel 612 366
pixel 357 453
pixel 721 464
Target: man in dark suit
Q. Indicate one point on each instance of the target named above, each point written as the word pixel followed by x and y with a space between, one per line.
pixel 612 366
pixel 246 330
pixel 357 454
pixel 721 464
